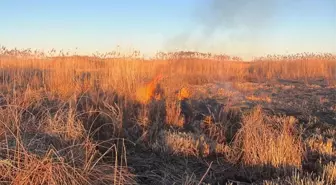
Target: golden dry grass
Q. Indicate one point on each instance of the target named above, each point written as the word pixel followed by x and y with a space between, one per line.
pixel 79 109
pixel 173 114
pixel 318 144
pixel 266 141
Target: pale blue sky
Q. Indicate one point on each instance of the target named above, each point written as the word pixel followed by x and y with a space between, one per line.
pixel 238 28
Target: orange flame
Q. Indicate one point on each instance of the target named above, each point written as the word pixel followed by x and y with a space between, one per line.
pixel 145 93
pixel 183 94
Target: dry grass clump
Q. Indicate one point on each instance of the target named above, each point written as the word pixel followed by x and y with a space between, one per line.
pixel 64 124
pixel 317 144
pixel 39 172
pixel 181 143
pixel 44 142
pixel 214 130
pixel 42 171
pixel 329 172
pixel 143 118
pixel 327 176
pixel 173 114
pixel 297 179
pixel 10 120
pixel 74 164
pixel 266 141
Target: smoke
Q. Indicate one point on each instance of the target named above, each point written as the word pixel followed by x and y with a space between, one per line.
pixel 226 26
pixel 233 14
pixel 249 28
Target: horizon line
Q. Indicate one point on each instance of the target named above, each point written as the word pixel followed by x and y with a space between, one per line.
pixel 144 55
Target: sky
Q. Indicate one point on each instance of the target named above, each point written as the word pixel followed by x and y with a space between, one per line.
pixel 241 27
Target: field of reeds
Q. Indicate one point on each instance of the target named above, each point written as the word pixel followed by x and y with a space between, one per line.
pixel 178 118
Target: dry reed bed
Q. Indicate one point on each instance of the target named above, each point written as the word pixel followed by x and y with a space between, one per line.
pixel 63 117
pixel 124 74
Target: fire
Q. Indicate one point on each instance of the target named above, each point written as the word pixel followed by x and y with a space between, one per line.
pixel 183 94
pixel 147 92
